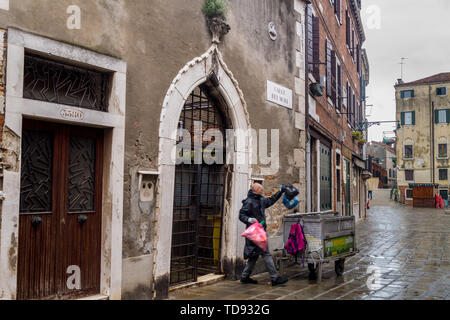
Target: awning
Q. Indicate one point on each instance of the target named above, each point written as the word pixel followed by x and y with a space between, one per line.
pixel 366 175
pixel 359 163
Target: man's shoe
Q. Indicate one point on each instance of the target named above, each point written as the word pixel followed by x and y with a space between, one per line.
pixel 279 281
pixel 249 280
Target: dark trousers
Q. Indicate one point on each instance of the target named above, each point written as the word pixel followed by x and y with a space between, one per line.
pixel 268 260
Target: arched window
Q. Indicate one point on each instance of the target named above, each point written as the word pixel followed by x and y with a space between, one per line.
pixel 408 149
pixel 199 190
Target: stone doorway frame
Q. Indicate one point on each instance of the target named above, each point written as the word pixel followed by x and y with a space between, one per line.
pixel 113 123
pixel 192 75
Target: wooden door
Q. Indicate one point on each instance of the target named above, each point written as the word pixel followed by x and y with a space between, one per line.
pixel 423 197
pixel 60 211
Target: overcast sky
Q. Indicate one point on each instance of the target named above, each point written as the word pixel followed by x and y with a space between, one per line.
pixel 414 29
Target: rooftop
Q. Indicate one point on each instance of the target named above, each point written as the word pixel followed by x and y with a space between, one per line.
pixel 437 78
pixel 383 145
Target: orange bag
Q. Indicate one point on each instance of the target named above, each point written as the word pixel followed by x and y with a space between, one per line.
pixel 257 235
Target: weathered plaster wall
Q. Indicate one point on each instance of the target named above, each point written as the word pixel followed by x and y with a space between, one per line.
pixel 156 39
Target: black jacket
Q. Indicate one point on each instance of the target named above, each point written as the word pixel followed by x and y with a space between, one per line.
pixel 254 207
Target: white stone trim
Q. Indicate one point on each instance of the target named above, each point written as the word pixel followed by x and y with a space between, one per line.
pixel 189 77
pixel 113 166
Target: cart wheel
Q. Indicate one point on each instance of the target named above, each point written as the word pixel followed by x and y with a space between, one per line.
pixel 313 271
pixel 339 266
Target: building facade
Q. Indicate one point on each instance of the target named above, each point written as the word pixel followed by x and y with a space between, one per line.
pixel 422 140
pixel 97 106
pixel 337 75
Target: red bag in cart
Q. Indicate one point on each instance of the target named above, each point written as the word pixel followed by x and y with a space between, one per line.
pixel 257 235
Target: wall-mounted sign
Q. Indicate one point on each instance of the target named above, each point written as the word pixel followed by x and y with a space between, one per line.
pixel 279 94
pixel 71 114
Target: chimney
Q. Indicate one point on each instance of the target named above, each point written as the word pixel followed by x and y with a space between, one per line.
pixel 400 81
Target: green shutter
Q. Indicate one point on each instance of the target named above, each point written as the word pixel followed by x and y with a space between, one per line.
pixel 448 115
pixel 436 116
pixel 403 118
pixel 412 93
pixel 413 118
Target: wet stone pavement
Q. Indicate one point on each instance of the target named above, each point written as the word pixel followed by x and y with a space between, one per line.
pixel 404 254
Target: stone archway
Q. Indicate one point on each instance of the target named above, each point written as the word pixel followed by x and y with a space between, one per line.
pixel 196 72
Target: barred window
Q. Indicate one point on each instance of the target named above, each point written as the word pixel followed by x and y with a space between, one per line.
pixel 443 174
pixel 409 175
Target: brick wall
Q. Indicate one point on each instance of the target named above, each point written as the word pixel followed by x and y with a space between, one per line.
pixel 336 33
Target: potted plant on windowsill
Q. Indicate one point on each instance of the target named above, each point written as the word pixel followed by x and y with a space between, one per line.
pixel 356 135
pixel 215 11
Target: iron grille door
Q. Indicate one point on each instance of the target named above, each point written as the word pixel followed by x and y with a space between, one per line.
pixel 198 199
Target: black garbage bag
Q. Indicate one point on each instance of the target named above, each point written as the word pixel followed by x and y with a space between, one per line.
pixel 291 192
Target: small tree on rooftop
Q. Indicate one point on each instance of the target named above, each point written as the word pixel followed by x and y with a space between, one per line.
pixel 215 11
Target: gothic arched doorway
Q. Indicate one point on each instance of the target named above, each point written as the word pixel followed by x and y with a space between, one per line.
pixel 198 193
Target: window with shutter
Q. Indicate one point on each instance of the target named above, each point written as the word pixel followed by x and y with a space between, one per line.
pixel 309 35
pixel 407 94
pixel 409 175
pixel 352 50
pixel 349 103
pixel 333 77
pixel 443 174
pixel 408 118
pixel 347 28
pixel 408 152
pixel 442 150
pixel 358 67
pixel 441 91
pixel 354 111
pixel 316 48
pixel 441 116
pixel 328 64
pixel 338 10
pixel 339 86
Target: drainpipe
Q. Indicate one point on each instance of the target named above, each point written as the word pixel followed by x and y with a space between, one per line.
pixel 432 136
pixel 307 135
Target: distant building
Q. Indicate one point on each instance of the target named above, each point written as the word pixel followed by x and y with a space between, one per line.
pixel 379 177
pixel 423 110
pixel 385 158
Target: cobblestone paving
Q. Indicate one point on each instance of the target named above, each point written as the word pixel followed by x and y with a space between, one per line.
pixel 404 254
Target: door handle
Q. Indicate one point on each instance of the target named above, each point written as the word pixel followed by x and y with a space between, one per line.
pixel 82 219
pixel 36 221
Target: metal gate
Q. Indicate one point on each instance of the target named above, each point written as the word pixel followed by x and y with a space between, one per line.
pixel 325 178
pixel 198 199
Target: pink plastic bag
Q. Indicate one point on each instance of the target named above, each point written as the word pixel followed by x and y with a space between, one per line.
pixel 257 235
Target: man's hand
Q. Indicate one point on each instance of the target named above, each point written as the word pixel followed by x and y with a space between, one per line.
pixel 252 220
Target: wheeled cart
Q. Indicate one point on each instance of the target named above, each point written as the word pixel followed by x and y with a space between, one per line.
pixel 331 238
